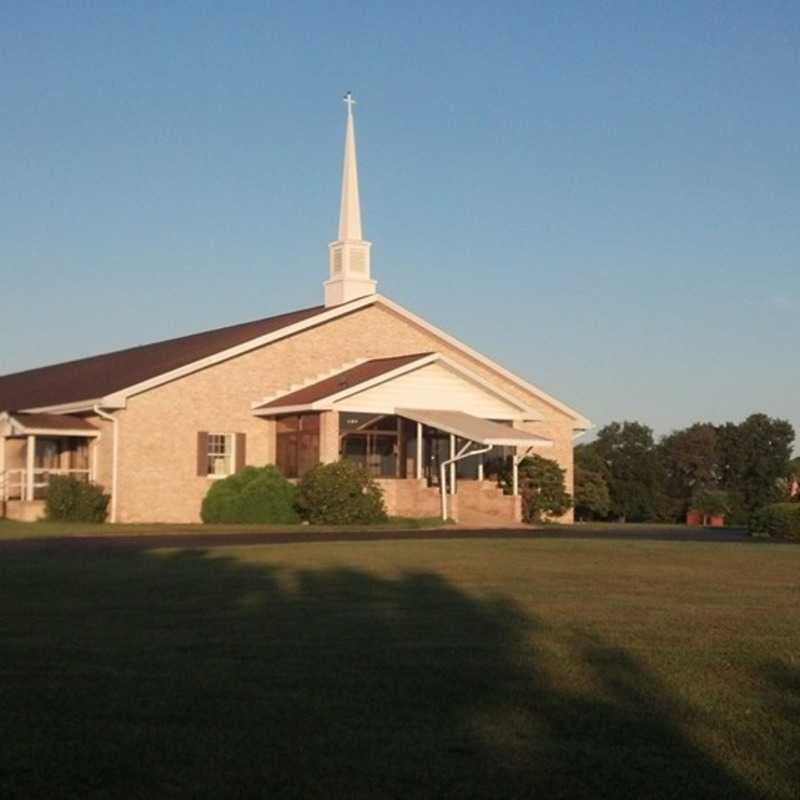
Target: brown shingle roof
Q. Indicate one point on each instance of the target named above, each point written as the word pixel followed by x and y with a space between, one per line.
pixel 54 422
pixel 343 380
pixel 90 378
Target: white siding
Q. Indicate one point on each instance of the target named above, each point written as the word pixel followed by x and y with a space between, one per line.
pixel 432 386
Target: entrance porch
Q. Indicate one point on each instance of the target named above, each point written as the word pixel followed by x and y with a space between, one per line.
pixel 33 448
pixel 432 460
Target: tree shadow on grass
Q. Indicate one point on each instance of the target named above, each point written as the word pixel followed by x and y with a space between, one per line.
pixel 193 675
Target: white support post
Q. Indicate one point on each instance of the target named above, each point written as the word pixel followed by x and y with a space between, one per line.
pixel 419 451
pixel 93 444
pixel 515 475
pixel 30 464
pixel 3 479
pixel 452 464
pixel 480 467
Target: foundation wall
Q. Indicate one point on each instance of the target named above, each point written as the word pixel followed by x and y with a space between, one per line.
pixel 410 498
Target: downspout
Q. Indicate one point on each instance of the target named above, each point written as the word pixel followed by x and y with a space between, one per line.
pixel 462 454
pixel 114 456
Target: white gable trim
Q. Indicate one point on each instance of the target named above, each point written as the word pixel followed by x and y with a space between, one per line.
pixel 64 408
pixel 581 421
pixel 328 402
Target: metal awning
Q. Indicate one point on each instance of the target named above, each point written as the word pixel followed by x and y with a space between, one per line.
pixel 475 429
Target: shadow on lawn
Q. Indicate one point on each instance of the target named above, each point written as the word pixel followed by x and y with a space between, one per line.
pixel 153 675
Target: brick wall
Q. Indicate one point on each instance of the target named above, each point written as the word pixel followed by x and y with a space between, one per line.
pixel 158 429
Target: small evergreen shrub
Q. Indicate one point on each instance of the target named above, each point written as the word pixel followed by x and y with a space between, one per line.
pixel 342 493
pixel 257 495
pixel 72 500
pixel 781 520
pixel 541 484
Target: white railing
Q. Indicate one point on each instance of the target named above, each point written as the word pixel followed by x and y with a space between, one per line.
pixel 14 482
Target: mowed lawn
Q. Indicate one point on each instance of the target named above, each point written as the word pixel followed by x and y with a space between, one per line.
pixel 492 668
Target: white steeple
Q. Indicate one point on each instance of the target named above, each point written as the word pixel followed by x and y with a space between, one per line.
pixel 349 254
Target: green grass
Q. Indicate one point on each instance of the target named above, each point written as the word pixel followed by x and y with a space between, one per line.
pixel 490 668
pixel 11 529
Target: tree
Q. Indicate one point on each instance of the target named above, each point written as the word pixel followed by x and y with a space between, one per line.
pixel 542 487
pixel 635 478
pixel 711 502
pixel 753 457
pixel 592 500
pixel 588 457
pixel 690 462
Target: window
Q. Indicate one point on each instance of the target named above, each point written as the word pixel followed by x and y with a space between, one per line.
pixel 374 441
pixel 220 454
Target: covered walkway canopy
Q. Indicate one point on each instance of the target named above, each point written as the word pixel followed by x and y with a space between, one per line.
pixel 475 429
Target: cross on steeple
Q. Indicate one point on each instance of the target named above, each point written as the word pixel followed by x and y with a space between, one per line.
pixel 348 99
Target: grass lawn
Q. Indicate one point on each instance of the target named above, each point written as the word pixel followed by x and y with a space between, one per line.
pixel 490 668
pixel 11 529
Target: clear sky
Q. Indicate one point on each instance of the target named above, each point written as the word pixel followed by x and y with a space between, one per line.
pixel 603 196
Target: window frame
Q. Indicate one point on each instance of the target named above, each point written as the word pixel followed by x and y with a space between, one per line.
pixel 230 442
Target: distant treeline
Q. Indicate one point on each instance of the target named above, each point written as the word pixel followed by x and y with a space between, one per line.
pixel 733 469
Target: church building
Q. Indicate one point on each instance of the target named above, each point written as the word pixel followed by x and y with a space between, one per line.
pixel 358 377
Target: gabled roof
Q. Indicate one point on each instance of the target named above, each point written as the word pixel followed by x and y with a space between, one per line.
pixel 98 376
pixel 109 379
pixel 355 376
pixel 55 424
pixel 354 380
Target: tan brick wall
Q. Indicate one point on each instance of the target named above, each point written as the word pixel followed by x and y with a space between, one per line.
pixel 158 429
pixel 410 498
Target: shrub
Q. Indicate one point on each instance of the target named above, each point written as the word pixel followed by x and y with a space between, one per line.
pixel 541 484
pixel 72 500
pixel 779 519
pixel 340 494
pixel 258 495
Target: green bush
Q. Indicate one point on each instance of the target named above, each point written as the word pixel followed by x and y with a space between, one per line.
pixel 779 520
pixel 340 494
pixel 541 484
pixel 258 495
pixel 72 500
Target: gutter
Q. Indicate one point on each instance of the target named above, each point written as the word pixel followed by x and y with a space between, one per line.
pixel 114 457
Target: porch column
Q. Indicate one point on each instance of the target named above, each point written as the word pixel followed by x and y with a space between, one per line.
pixel 452 464
pixel 3 478
pixel 30 463
pixel 514 475
pixel 93 446
pixel 419 451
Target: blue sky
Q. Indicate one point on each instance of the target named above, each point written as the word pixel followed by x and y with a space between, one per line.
pixel 603 196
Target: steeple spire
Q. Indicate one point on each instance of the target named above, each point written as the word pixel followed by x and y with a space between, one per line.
pixel 349 254
pixel 350 211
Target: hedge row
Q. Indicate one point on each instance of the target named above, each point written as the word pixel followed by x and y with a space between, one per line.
pixel 779 520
